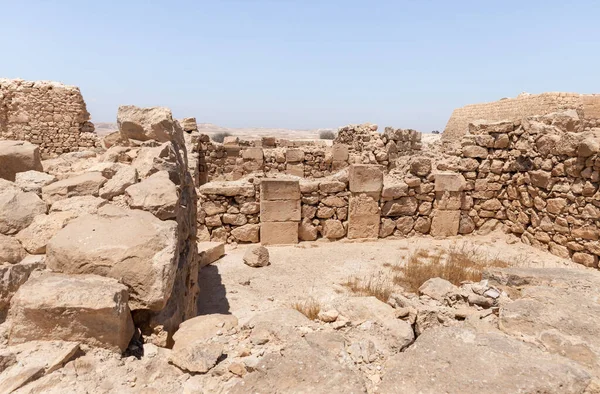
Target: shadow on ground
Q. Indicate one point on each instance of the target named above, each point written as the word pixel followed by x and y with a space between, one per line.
pixel 213 295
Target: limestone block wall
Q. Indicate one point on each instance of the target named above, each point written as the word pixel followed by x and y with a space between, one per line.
pixel 355 144
pixel 588 106
pixel 49 114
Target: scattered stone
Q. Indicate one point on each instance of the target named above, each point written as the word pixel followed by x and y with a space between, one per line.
pixel 256 256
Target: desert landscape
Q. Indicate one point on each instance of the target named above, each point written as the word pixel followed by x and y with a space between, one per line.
pixel 147 256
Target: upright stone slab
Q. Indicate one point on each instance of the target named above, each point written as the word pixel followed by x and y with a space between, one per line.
pixel 445 223
pixel 366 178
pixel 363 217
pixel 279 189
pixel 279 233
pixel 280 212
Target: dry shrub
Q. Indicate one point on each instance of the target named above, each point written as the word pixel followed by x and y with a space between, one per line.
pixel 220 137
pixel 376 285
pixel 456 265
pixel 309 307
pixel 326 135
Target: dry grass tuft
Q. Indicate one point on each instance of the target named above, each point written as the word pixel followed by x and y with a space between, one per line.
pixel 376 285
pixel 309 307
pixel 456 265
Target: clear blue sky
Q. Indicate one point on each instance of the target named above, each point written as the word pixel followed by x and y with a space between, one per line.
pixel 303 63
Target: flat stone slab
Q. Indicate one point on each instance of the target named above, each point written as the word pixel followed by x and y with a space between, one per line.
pixel 209 252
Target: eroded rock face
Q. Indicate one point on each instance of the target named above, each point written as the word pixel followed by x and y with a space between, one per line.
pixel 11 250
pixel 18 156
pixel 130 245
pixel 35 237
pixel 82 308
pixel 12 276
pixel 467 361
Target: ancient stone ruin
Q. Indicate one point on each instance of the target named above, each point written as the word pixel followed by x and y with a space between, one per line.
pixel 157 260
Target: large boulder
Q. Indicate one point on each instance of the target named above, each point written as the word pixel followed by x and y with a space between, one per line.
pixel 17 208
pixel 82 308
pixel 86 184
pixel 457 360
pixel 18 156
pixel 155 123
pixel 156 194
pixel 130 245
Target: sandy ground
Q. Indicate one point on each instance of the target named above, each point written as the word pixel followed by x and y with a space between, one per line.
pixel 317 269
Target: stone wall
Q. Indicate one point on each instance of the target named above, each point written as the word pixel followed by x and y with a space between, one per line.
pixel 235 158
pixel 537 178
pixel 588 107
pixel 48 114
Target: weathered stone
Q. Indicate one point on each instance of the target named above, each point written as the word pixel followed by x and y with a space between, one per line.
pixel 11 250
pixel 228 189
pixel 422 225
pixel 35 237
pixel 236 219
pixel 79 205
pixel 12 276
pixel 278 233
pixel 467 361
pixel 294 155
pixel 394 191
pixel 333 229
pixel 82 308
pixel 18 156
pixel 130 245
pixel 402 206
pixel 247 233
pixel 156 194
pixel 17 208
pixel 449 182
pixel 209 252
pixel 307 231
pixel 386 228
pixel 255 154
pixel 437 288
pixel 279 189
pixel 475 151
pixel 280 210
pixel 366 178
pixel 420 166
pixel 256 256
pixel 33 181
pixel 117 185
pixel 363 217
pixel 87 184
pixel 332 186
pixel 405 224
pixel 154 123
pixel 445 223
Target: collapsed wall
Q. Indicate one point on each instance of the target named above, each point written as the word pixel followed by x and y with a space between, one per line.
pixel 587 105
pixel 49 114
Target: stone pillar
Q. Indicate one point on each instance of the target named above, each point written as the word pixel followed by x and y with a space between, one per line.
pixel 280 211
pixel 449 188
pixel 366 182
